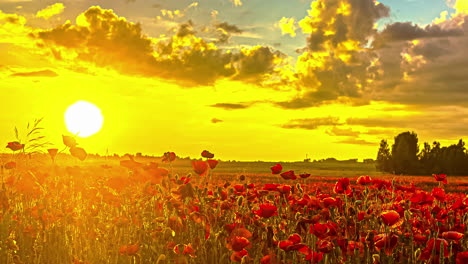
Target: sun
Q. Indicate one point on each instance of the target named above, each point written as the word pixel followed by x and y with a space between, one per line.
pixel 83 119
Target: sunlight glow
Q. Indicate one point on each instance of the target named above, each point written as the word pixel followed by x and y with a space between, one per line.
pixel 83 119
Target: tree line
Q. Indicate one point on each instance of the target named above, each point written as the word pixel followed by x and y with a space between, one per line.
pixel 406 158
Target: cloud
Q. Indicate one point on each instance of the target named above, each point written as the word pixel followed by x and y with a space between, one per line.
pixel 357 141
pixel 216 120
pixel 107 40
pixel 336 61
pixel 436 122
pixel 236 2
pixel 51 11
pixel 225 31
pixel 287 26
pixel 231 106
pixel 401 31
pixel 335 131
pixel 312 123
pixel 41 73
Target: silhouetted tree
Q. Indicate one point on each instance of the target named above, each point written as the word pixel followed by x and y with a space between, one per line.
pixel 384 158
pixel 404 153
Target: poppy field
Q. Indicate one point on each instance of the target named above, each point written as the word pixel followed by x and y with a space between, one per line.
pixel 59 210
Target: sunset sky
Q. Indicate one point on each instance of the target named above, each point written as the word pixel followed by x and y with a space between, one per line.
pixel 245 79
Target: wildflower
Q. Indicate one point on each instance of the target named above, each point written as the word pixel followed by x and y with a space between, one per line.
pixel 200 167
pixel 292 243
pixel 212 163
pixel 238 243
pixel 237 256
pixel 386 242
pixel 266 210
pixel 342 186
pixel 434 246
pixel 441 177
pixel 438 193
pixel 69 141
pixel 390 217
pixel 452 235
pixel 10 165
pixel 15 145
pixel 364 180
pixel 462 257
pixel 276 169
pixel 78 153
pixel 169 157
pixel 207 154
pixel 304 175
pixel 289 175
pixel 52 153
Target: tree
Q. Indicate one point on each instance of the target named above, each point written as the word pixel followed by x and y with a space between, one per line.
pixel 404 153
pixel 384 158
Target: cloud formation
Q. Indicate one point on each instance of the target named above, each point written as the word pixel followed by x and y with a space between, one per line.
pixel 312 123
pixel 50 11
pixel 41 73
pixel 101 37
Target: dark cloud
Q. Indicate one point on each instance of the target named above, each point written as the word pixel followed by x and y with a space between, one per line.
pixel 335 131
pixel 257 63
pixel 401 31
pixel 357 141
pixel 225 31
pixel 42 73
pixel 230 106
pixel 442 122
pixel 312 123
pixel 216 120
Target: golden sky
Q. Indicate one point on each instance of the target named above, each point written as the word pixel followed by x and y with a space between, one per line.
pixel 243 80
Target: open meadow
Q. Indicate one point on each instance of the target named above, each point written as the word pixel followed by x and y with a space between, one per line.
pixel 204 211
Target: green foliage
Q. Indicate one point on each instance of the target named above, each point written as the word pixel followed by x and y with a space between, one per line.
pixel 405 157
pixel 384 158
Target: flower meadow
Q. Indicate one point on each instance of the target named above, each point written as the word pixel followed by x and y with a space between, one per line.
pixel 143 212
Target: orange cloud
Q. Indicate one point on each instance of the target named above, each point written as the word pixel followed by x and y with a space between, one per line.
pixel 51 11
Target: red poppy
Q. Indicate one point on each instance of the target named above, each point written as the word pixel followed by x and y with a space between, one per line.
pixel 390 217
pixel 129 250
pixel 289 175
pixel 271 187
pixel 438 193
pixel 266 210
pixel 304 175
pixel 10 165
pixel 184 250
pixel 320 230
pixel 15 145
pixel 169 157
pixel 238 243
pixel 342 186
pixel 452 235
pixel 239 188
pixel 268 259
pixel 386 242
pixel 237 256
pixel 361 215
pixel 435 245
pixel 276 169
pixel 52 152
pixel 314 257
pixel 200 167
pixel 69 141
pixel 441 177
pixel 364 180
pixel 421 198
pixel 462 258
pixel 325 246
pixel 78 153
pixel 212 163
pixel 207 154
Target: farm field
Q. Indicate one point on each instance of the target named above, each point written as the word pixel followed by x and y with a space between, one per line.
pixel 179 211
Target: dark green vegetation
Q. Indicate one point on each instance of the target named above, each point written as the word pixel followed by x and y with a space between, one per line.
pixel 406 158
